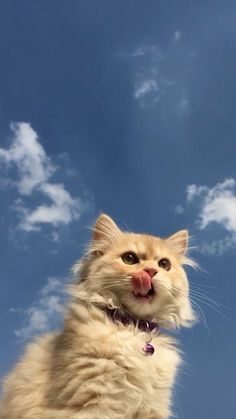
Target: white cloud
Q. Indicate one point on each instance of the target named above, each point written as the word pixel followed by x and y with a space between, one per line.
pixel 34 170
pixel 28 156
pixel 177 35
pixel 45 312
pixel 193 190
pixel 63 209
pixel 145 87
pixel 218 204
pixel 53 284
pixel 179 210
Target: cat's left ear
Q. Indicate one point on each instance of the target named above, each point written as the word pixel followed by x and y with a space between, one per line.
pixel 105 233
pixel 179 242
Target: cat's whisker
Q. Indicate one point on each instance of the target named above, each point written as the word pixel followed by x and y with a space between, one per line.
pixel 202 290
pixel 215 309
pixel 200 311
pixel 201 285
pixel 201 295
pixel 206 292
pixel 196 306
pixel 215 306
pixel 173 298
pixel 210 300
pixel 110 287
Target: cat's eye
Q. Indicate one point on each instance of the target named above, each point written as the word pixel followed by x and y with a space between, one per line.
pixel 164 263
pixel 130 258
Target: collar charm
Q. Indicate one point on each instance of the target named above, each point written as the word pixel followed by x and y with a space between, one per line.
pixel 149 349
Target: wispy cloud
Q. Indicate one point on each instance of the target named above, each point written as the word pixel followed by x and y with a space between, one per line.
pixel 179 209
pixel 157 79
pixel 216 205
pixel 44 313
pixel 150 81
pixel 177 35
pixel 29 169
pixel 218 247
pixel 147 88
pixel 144 50
pixel 183 103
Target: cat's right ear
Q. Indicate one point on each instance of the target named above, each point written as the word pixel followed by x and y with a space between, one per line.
pixel 179 242
pixel 105 233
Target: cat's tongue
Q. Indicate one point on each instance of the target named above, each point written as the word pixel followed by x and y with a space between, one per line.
pixel 141 282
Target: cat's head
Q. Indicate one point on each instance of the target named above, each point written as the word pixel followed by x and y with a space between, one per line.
pixel 140 273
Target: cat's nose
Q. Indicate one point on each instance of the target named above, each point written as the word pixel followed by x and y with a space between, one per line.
pixel 151 272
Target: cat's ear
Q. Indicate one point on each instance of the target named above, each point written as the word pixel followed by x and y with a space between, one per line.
pixel 178 242
pixel 105 233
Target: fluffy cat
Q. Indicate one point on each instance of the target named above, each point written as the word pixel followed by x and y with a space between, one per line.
pixel 111 360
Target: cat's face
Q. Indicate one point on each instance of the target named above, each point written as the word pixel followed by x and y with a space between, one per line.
pixel 141 273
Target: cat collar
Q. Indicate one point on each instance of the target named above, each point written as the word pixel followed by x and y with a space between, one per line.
pixel 126 319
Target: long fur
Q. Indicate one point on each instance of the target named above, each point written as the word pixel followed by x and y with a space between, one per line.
pixel 96 367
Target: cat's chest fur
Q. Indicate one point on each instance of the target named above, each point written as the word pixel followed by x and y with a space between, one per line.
pixel 115 355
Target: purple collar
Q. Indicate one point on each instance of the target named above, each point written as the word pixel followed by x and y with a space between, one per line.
pixel 126 319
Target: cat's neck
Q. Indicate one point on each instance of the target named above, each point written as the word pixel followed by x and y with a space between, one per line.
pixel 84 303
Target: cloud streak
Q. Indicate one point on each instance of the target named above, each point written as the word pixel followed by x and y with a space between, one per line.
pixel 157 79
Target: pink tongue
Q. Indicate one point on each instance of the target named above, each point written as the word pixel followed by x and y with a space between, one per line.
pixel 141 282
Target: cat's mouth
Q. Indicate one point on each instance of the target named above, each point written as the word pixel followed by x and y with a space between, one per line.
pixel 145 296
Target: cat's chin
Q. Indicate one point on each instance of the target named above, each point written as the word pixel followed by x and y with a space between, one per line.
pixel 140 306
pixel 142 299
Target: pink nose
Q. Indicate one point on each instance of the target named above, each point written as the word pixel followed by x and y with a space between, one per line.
pixel 151 272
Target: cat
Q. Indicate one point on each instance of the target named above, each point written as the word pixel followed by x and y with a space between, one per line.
pixel 112 359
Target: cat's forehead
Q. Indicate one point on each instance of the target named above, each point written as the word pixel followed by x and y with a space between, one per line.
pixel 144 245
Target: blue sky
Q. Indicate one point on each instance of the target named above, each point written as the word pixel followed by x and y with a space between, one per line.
pixel 129 108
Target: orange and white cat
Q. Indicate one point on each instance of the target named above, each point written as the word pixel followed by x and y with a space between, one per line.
pixel 112 359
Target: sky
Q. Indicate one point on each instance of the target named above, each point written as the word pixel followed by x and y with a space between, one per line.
pixel 128 108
